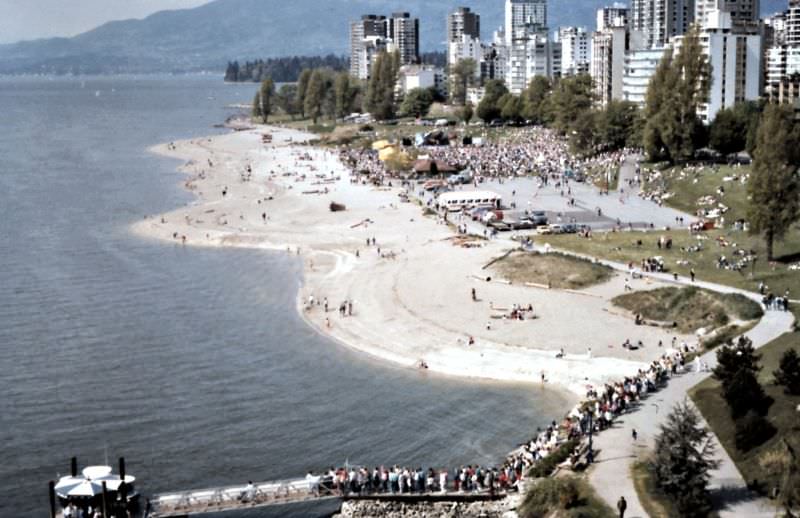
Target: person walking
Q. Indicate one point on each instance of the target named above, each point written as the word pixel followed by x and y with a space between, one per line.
pixel 634 434
pixel 622 505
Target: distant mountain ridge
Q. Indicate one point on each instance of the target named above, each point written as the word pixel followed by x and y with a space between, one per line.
pixel 207 37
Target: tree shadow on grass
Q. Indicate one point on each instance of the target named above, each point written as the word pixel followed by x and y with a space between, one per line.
pixel 788 258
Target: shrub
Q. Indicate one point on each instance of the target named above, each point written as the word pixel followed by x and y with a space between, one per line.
pixel 547 465
pixel 752 430
pixel 788 372
pixel 548 494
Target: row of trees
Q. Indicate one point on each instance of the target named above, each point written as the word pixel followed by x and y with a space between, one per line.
pixel 282 70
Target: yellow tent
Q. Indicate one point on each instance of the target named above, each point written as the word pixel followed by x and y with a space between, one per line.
pixel 387 153
pixel 380 144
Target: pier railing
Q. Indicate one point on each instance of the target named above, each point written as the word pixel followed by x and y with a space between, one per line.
pixel 237 497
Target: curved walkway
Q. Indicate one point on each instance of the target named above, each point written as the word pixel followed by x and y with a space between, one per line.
pixel 611 473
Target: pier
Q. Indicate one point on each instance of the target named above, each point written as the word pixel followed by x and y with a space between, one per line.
pixel 285 492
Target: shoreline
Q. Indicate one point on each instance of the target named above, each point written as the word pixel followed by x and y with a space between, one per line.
pixel 405 307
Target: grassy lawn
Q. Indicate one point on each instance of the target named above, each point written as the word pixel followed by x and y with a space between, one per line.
pixel 783 413
pixel 556 270
pixel 548 500
pixel 687 186
pixel 690 308
pixel 656 504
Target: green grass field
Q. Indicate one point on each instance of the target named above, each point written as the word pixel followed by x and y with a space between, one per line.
pixel 690 308
pixel 783 413
pixel 556 270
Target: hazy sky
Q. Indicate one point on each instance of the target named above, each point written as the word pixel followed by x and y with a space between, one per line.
pixel 31 19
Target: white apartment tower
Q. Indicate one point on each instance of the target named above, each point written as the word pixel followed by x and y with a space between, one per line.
pixel 608 63
pixel 574 42
pixel 735 60
pixel 615 15
pixel 367 38
pixel 744 13
pixel 523 18
pixel 659 20
pixel 464 37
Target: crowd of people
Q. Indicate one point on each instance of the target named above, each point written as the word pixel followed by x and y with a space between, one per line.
pixel 531 151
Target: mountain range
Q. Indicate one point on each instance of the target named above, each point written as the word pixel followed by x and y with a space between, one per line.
pixel 207 37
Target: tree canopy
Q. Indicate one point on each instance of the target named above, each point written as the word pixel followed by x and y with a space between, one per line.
pixel 774 186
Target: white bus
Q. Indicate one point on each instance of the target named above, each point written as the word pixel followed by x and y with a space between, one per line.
pixel 459 200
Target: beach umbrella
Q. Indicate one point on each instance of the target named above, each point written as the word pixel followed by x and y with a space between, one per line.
pixel 86 488
pixel 65 484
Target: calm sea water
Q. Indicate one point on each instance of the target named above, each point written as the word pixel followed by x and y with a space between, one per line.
pixel 191 363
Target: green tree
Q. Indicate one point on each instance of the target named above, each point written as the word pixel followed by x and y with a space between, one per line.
pixel 511 107
pixel 302 87
pixel 314 95
pixel 584 139
pixel 534 99
pixel 684 456
pixel 286 100
pixel 417 102
pixel 571 97
pixel 733 129
pixel 616 125
pixel 462 77
pixel 680 85
pixel 774 189
pixel 267 92
pixel 488 108
pixel 788 372
pixel 737 371
pixel 466 113
pixel 256 113
pixel 379 97
pixel 345 94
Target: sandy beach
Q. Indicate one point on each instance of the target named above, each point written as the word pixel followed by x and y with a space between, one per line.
pixel 411 291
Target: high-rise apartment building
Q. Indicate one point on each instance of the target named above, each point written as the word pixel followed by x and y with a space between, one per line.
pixel 744 13
pixel 524 18
pixel 735 60
pixel 793 23
pixel 367 37
pixel 640 66
pixel 608 63
pixel 404 33
pixel 612 16
pixel 659 20
pixel 574 43
pixel 463 22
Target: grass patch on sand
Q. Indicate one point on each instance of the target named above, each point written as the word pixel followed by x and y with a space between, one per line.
pixel 783 415
pixel 564 497
pixel 556 270
pixel 690 308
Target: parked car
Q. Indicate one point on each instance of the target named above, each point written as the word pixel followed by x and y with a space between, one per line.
pixel 538 217
pixel 492 215
pixel 556 228
pixel 477 214
pixel 433 184
pixel 570 228
pixel 496 123
pixel 460 178
pixel 523 224
pixel 502 226
pixel 543 229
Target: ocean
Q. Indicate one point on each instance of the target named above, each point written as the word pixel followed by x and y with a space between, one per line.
pixel 190 363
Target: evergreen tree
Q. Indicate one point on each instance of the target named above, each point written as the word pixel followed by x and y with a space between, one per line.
pixel 684 456
pixel 314 95
pixel 267 92
pixel 788 372
pixel 664 79
pixel 774 187
pixel 616 124
pixel 462 77
pixel 256 113
pixel 534 99
pixel 584 136
pixel 488 108
pixel 737 370
pixel 302 86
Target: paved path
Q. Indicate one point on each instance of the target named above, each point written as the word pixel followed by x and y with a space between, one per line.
pixel 611 475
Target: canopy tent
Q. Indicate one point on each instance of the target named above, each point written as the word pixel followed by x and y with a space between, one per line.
pixel 427 166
